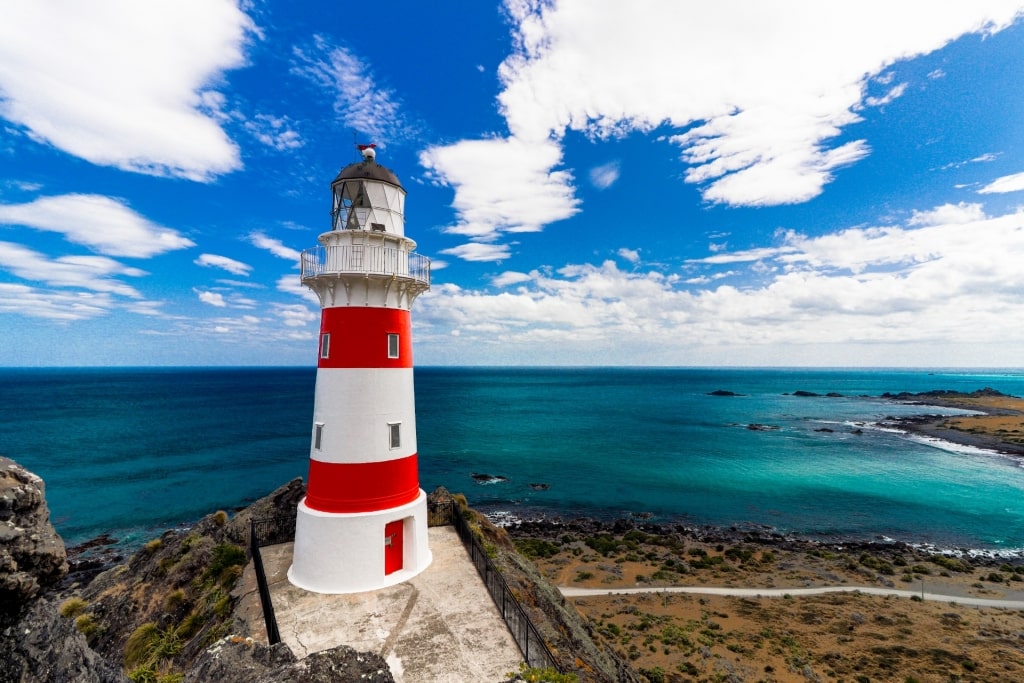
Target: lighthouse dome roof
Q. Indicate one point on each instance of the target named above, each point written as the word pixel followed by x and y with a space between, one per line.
pixel 368 168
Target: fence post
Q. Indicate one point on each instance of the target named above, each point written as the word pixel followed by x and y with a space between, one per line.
pixel 273 635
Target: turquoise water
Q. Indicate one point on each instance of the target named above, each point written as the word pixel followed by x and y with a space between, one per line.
pixel 134 451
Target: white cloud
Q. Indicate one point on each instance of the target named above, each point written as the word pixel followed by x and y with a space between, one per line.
pixel 240 283
pixel 631 255
pixel 105 225
pixel 276 132
pixel 274 246
pixel 888 97
pixel 948 213
pixel 763 91
pixel 290 284
pixel 295 315
pixel 502 185
pixel 225 263
pixel 476 251
pixel 361 102
pixel 770 91
pixel 510 277
pixel 212 298
pixel 604 176
pixel 741 256
pixel 956 283
pixel 58 306
pixel 124 85
pixel 95 273
pixel 1008 183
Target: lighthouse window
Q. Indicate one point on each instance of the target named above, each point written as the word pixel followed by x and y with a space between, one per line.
pixel 318 435
pixel 325 345
pixel 392 346
pixel 395 434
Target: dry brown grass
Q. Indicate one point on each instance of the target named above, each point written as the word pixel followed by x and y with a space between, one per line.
pixel 851 637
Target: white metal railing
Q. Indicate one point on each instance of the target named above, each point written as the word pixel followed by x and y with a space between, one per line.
pixel 372 260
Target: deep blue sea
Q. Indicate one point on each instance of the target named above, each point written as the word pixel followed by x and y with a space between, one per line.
pixel 135 451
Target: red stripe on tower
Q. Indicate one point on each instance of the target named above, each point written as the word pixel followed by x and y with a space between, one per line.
pixel 362 487
pixel 365 337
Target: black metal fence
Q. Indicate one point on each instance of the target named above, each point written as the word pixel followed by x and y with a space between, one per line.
pixel 535 650
pixel 263 532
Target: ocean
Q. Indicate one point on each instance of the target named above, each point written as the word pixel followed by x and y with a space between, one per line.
pixel 134 451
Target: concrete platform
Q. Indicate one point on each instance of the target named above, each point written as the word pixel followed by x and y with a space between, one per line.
pixel 440 627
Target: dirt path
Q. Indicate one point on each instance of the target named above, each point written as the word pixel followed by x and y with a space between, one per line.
pixel 577 592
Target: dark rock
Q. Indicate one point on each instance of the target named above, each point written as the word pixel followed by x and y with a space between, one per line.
pixel 753 426
pixel 805 393
pixel 723 392
pixel 488 478
pixel 37 644
pixel 439 496
pixel 827 430
pixel 241 660
pixel 834 394
pixel 944 393
pixel 540 487
pixel 32 555
pixel 45 647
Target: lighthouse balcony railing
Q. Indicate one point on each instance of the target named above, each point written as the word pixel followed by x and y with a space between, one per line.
pixel 365 259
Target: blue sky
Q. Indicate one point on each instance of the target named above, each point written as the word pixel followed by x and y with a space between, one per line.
pixel 685 183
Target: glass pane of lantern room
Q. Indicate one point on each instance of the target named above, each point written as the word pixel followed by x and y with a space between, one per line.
pixel 352 191
pixel 375 192
pixel 393 197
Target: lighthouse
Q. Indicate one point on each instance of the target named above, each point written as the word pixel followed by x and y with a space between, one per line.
pixel 363 522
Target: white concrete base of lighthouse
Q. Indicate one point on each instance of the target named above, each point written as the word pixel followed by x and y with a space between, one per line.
pixel 360 551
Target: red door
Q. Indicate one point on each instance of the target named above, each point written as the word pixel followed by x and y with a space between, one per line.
pixel 392 547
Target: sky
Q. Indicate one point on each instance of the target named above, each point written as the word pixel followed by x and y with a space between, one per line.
pixel 736 183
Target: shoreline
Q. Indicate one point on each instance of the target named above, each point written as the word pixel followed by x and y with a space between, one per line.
pixel 936 427
pixel 996 418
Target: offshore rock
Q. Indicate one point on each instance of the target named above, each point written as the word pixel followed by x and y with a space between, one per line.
pixel 32 555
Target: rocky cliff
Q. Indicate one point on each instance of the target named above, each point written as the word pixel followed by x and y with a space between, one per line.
pixel 166 616
pixel 36 642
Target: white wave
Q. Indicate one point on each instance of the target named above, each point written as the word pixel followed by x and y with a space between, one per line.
pixel 963 449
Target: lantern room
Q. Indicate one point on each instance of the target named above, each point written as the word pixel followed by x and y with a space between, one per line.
pixel 368 196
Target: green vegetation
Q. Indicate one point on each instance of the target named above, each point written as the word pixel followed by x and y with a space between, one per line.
pixel 86 626
pixel 536 548
pixel 173 599
pixel 879 565
pixel 148 652
pixel 225 556
pixel 952 564
pixel 72 607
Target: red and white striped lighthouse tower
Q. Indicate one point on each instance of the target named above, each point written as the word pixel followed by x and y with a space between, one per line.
pixel 363 522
